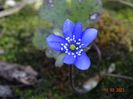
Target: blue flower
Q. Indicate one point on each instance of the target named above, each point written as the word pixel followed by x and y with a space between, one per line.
pixel 73 44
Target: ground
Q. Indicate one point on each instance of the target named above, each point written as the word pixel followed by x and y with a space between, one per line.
pixel 16 34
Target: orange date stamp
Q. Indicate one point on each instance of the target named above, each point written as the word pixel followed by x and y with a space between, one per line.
pixel 119 90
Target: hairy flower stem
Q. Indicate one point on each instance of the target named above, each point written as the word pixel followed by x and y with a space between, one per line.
pixel 72 81
pixel 97 50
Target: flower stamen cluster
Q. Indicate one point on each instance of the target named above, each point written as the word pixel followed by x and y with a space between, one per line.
pixel 72 47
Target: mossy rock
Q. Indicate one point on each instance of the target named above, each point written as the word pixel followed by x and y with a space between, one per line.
pixel 112 33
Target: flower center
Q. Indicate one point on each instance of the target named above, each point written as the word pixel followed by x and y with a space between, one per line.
pixel 72 47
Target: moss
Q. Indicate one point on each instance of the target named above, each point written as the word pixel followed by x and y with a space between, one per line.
pixel 17 30
pixel 112 33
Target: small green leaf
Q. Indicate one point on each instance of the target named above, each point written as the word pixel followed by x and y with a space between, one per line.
pixel 59 60
pixel 51 53
pixel 39 39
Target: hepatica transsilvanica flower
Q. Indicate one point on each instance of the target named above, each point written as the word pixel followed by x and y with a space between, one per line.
pixel 73 44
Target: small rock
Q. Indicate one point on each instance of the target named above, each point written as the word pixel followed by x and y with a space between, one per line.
pixel 91 83
pixel 112 68
pixel 10 3
pixel 5 91
pixel 1 8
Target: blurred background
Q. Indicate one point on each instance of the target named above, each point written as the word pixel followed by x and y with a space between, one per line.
pixel 24 26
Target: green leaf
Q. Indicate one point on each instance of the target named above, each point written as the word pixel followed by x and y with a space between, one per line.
pixel 57 11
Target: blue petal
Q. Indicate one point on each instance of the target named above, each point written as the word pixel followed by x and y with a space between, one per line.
pixel 55 38
pixel 68 28
pixel 54 42
pixel 82 62
pixel 69 59
pixel 89 36
pixel 78 30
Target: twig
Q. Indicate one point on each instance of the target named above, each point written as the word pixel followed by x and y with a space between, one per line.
pixel 72 81
pixel 8 12
pixel 119 76
pixel 15 9
pixel 124 2
pixel 18 73
pixel 98 52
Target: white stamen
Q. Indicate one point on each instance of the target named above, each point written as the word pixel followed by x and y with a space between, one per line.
pixel 65 47
pixel 77 48
pixel 66 44
pixel 62 49
pixel 78 43
pixel 79 39
pixel 73 36
pixel 68 53
pixel 76 52
pixel 74 41
pixel 79 54
pixel 72 53
pixel 80 46
pixel 62 44
pixel 81 50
